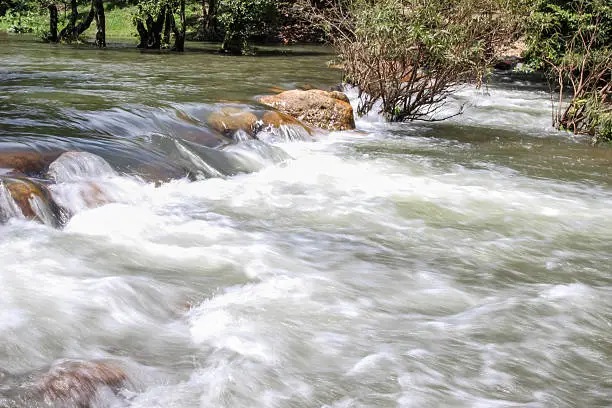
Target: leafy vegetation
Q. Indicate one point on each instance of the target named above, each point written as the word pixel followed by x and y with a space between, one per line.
pixel 241 19
pixel 572 41
pixel 407 56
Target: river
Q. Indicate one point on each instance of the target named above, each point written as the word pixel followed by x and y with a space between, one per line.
pixel 458 264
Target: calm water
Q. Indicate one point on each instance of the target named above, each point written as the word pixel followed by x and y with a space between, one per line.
pixel 461 264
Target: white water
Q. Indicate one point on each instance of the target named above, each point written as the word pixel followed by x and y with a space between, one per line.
pixel 375 268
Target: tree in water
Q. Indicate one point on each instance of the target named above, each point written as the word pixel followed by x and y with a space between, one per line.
pixel 407 56
pixel 156 20
pixel 73 29
pixel 52 37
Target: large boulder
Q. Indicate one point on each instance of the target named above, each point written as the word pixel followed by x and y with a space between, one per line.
pixel 229 120
pixel 315 107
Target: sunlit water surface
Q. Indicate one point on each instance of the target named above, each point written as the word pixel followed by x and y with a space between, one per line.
pixel 459 264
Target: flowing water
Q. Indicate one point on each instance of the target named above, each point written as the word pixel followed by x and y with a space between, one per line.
pixel 457 264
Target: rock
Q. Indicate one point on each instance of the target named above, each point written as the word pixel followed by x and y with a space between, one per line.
pixel 340 96
pixel 276 89
pixel 72 166
pixel 306 87
pixel 77 382
pixel 278 119
pixel 508 63
pixel 228 121
pixel 335 66
pixel 322 109
pixel 32 198
pixel 31 163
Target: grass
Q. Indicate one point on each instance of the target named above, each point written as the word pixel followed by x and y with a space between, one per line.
pixel 119 25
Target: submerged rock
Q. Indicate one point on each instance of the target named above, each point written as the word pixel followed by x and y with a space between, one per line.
pixel 71 166
pixel 322 109
pixel 27 198
pixel 278 119
pixel 229 121
pixel 76 383
pixel 26 162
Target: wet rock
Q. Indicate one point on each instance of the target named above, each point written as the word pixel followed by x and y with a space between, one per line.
pixel 30 163
pixel 322 109
pixel 276 89
pixel 155 173
pixel 335 66
pixel 278 119
pixel 76 383
pixel 228 121
pixel 339 96
pixel 32 199
pixel 193 130
pixel 306 87
pixel 508 63
pixel 71 166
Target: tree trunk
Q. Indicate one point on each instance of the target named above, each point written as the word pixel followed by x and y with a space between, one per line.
pixel 168 26
pixel 179 35
pixel 72 31
pixel 142 33
pixel 151 35
pixel 67 31
pixel 211 17
pixel 53 22
pixel 84 25
pixel 100 23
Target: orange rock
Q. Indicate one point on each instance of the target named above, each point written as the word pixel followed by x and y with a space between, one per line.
pixel 277 119
pixel 318 108
pixel 26 162
pixel 77 382
pixel 30 196
pixel 276 89
pixel 229 120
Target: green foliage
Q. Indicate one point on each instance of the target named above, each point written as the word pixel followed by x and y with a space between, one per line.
pixel 406 56
pixel 242 19
pixel 572 41
pixel 553 25
pixel 22 22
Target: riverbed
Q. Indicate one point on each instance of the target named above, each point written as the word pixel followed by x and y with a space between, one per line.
pixel 464 263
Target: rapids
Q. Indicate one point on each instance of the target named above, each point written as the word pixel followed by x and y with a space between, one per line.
pixel 457 264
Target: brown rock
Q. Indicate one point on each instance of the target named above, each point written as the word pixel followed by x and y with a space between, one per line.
pixel 306 87
pixel 336 66
pixel 29 162
pixel 278 119
pixel 77 382
pixel 339 96
pixel 314 107
pixel 230 120
pixel 33 199
pixel 23 162
pixel 276 89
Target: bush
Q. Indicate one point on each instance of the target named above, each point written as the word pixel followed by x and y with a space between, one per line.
pixel 572 41
pixel 407 56
pixel 241 20
pixel 22 22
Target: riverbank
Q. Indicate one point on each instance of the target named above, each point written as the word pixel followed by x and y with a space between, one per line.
pixel 119 25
